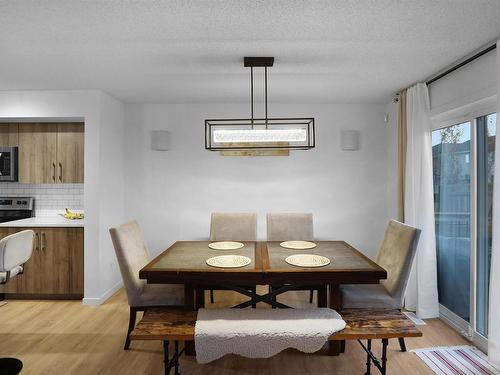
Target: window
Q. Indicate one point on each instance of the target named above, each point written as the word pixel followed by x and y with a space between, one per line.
pixel 463 166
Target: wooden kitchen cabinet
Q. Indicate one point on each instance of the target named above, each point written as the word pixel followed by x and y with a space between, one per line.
pixel 37 153
pixel 9 135
pixel 51 153
pixel 70 142
pixel 55 270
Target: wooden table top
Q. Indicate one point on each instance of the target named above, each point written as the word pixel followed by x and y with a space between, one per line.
pixel 185 262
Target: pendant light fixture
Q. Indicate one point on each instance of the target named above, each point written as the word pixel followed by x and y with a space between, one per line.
pixel 252 133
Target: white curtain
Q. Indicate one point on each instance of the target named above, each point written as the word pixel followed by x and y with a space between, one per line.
pixel 421 295
pixel 494 313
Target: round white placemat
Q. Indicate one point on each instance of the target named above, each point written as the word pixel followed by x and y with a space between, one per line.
pixel 225 245
pixel 229 261
pixel 298 245
pixel 307 260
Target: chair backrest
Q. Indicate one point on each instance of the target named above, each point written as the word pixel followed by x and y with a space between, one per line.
pixel 132 254
pixel 16 249
pixel 290 227
pixel 233 227
pixel 396 256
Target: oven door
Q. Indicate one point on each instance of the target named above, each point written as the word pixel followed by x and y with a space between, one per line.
pixel 8 163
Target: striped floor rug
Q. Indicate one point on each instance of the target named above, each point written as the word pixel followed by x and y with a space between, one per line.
pixel 456 360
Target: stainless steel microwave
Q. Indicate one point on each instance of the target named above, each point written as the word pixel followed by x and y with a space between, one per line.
pixel 8 163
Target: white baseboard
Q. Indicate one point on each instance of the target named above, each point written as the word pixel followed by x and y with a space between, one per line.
pixel 100 300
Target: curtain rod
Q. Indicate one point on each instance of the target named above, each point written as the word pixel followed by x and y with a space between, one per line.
pixel 459 65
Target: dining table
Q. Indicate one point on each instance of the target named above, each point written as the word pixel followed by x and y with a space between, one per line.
pixel 185 262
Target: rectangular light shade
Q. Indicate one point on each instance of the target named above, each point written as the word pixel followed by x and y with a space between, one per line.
pixel 242 134
pixel 260 135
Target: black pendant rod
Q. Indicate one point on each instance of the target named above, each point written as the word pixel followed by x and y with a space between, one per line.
pixel 459 65
pixel 251 89
pixel 265 77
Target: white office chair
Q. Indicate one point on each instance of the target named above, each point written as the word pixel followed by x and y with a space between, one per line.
pixel 15 250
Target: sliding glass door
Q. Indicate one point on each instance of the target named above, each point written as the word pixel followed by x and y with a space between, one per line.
pixel 451 148
pixel 463 165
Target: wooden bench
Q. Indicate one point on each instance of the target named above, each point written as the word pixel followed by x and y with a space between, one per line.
pixel 178 325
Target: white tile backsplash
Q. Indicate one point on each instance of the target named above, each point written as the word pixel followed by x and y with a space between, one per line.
pixel 49 199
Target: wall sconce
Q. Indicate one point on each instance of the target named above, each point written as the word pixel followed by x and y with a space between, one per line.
pixel 160 140
pixel 349 140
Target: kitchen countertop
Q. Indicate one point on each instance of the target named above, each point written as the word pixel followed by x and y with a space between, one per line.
pixel 44 221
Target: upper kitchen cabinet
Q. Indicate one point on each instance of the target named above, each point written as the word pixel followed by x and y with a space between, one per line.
pixel 9 135
pixel 70 142
pixel 51 153
pixel 37 153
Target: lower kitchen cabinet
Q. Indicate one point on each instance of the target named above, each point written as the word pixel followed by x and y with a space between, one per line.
pixel 55 270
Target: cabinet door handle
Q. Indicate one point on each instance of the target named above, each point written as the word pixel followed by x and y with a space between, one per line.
pixel 54 172
pixel 37 241
pixel 42 241
pixel 60 172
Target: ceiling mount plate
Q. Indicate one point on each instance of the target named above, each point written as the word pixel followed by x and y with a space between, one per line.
pixel 258 61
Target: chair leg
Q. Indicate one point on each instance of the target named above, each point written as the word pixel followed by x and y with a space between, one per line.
pixel 254 290
pixel 131 325
pixel 212 296
pixel 311 295
pixel 402 344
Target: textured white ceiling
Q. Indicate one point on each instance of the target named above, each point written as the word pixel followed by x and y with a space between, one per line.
pixel 191 51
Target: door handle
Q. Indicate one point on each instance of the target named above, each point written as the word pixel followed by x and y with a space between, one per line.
pixel 54 172
pixel 60 172
pixel 42 241
pixel 37 241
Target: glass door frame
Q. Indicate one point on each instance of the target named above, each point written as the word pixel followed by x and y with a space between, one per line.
pixel 468 113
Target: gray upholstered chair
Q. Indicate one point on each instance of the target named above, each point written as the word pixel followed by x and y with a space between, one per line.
pixel 291 227
pixel 232 227
pixel 132 254
pixel 15 250
pixel 396 256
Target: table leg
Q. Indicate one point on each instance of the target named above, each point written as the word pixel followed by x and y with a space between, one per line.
pixel 323 296
pixel 335 304
pixel 200 297
pixel 189 303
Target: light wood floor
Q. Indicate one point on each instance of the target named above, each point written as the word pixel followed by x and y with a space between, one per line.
pixel 63 337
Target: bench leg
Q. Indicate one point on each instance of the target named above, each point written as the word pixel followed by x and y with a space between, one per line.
pixel 379 363
pixel 166 360
pixel 311 295
pixel 368 358
pixel 212 296
pixel 176 358
pixel 131 325
pixel 385 343
pixel 171 362
pixel 402 344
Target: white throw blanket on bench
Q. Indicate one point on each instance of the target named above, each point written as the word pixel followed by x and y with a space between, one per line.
pixel 262 333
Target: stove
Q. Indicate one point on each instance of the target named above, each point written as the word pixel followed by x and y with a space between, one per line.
pixel 15 208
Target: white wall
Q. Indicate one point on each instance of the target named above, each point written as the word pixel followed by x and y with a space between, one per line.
pixel 112 189
pixel 103 188
pixel 172 193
